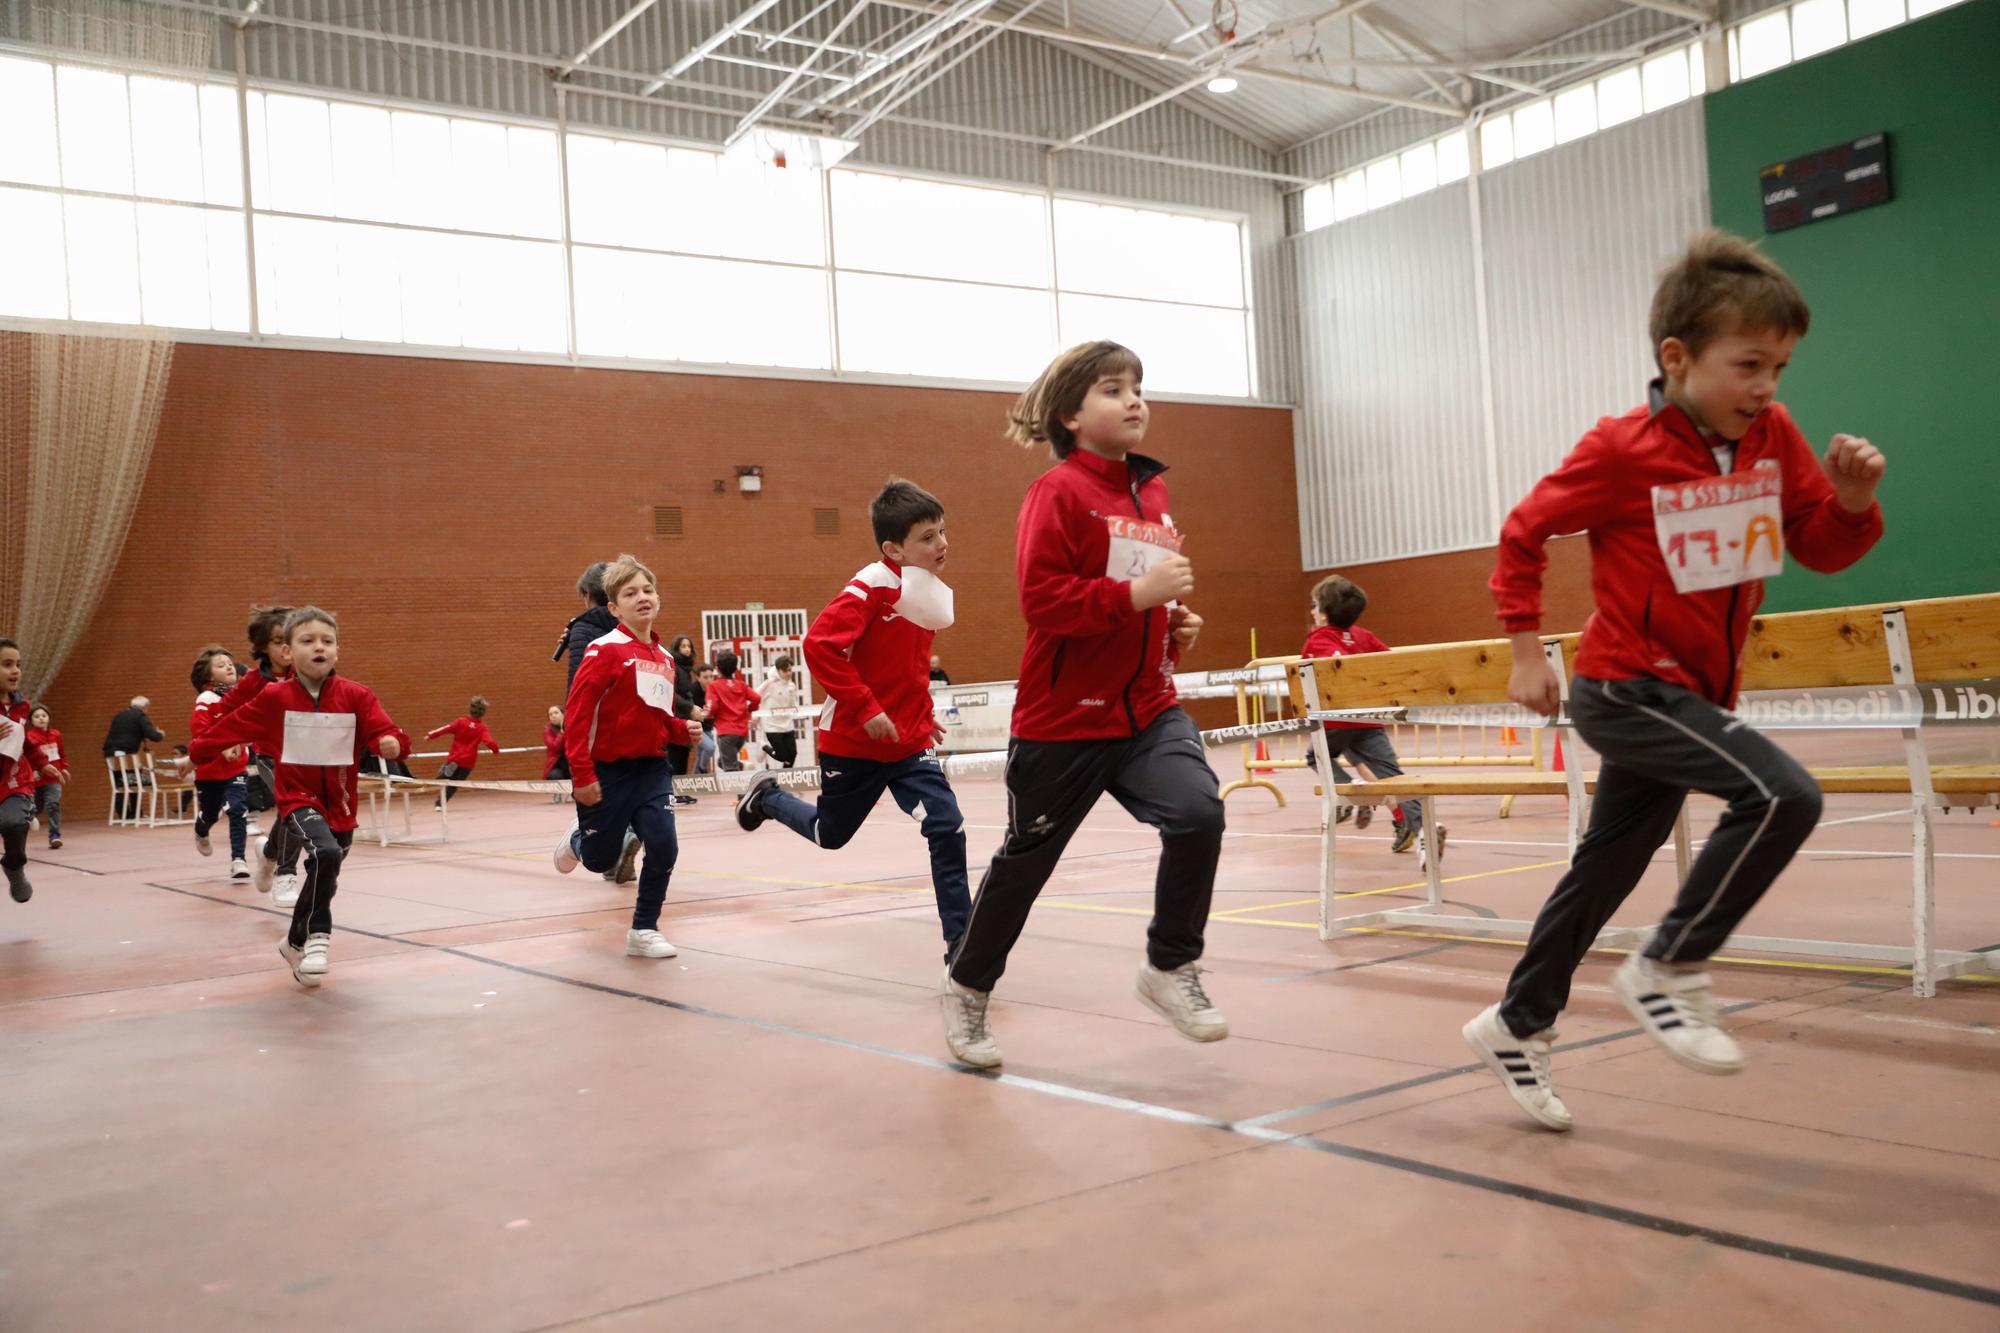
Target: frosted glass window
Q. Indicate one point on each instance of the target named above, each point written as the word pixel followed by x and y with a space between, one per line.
pixel 623 303
pixel 891 326
pixel 173 265
pixel 94 127
pixel 423 168
pixel 1867 17
pixel 221 153
pixel 897 225
pixel 510 294
pixel 301 151
pixel 1316 207
pixel 364 163
pixel 429 263
pixel 533 184
pixel 1666 79
pixel 1420 171
pixel 1385 183
pixel 480 177
pixel 103 260
pixel 166 140
pixel 542 297
pixel 298 277
pixel 28 110
pixel 1454 160
pixel 1619 98
pixel 617 192
pixel 31 262
pixel 1919 8
pixel 1350 196
pixel 1697 65
pixel 716 204
pixel 1118 251
pixel 1818 25
pixel 1186 349
pixel 228 271
pixel 371 299
pixel 750 314
pixel 1764 44
pixel 1534 129
pixel 260 157
pixel 1496 142
pixel 1576 113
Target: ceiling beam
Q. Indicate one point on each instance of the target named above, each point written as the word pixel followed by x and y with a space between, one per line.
pixel 618 25
pixel 1680 10
pixel 709 43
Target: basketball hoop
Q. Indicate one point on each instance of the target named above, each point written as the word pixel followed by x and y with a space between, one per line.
pixel 1222 17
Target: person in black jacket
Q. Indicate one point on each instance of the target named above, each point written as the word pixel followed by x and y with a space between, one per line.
pixel 130 729
pixel 595 622
pixel 682 651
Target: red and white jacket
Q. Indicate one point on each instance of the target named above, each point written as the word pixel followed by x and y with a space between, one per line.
pixel 1642 625
pixel 620 705
pixel 327 788
pixel 467 735
pixel 1326 641
pixel 19 777
pixel 552 741
pixel 871 659
pixel 246 688
pixel 730 703
pixel 207 710
pixel 1093 668
pixel 45 752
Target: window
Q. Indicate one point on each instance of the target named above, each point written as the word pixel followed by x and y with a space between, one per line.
pixel 1114 250
pixel 1619 98
pixel 1576 113
pixel 1534 129
pixel 1453 162
pixel 94 129
pixel 33 281
pixel 1350 196
pixel 1764 44
pixel 1385 183
pixel 1868 17
pixel 1666 80
pixel 1818 25
pixel 1316 207
pixel 1496 142
pixel 893 224
pixel 28 110
pixel 1420 172
pixel 891 326
pixel 1188 349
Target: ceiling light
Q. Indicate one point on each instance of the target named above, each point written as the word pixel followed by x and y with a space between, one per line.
pixel 1222 83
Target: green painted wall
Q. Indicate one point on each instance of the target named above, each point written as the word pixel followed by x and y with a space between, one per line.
pixel 1905 342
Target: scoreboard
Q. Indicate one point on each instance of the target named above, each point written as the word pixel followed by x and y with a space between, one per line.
pixel 1842 179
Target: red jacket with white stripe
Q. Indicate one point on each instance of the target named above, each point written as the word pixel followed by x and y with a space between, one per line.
pixel 1326 641
pixel 730 703
pixel 1642 625
pixel 870 660
pixel 207 706
pixel 327 788
pixel 1093 668
pixel 608 718
pixel 467 735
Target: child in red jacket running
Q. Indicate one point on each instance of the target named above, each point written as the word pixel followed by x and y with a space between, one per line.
pixel 731 702
pixel 46 750
pixel 468 733
pixel 276 871
pixel 323 723
pixel 870 651
pixel 1101 575
pixel 1336 604
pixel 20 769
pixel 1685 498
pixel 221 781
pixel 618 724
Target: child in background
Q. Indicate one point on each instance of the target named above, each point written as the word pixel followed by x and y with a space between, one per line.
pixel 1102 578
pixel 731 702
pixel 555 768
pixel 468 733
pixel 780 691
pixel 704 752
pixel 273 656
pixel 47 743
pixel 20 768
pixel 220 782
pixel 1336 605
pixel 324 722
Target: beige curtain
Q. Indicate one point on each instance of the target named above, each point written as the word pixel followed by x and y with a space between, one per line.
pixel 78 416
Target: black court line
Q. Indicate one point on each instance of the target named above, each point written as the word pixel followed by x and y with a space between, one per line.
pixel 1607 1212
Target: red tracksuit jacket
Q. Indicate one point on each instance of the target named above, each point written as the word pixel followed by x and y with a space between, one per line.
pixel 207 711
pixel 1643 626
pixel 1093 668
pixel 19 777
pixel 467 735
pixel 869 659
pixel 1326 641
pixel 552 741
pixel 608 717
pixel 730 703
pixel 45 749
pixel 329 789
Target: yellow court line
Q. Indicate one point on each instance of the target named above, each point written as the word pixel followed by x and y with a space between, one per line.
pixel 1393 888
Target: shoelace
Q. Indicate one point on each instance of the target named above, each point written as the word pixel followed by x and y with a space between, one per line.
pixel 1190 983
pixel 972 1015
pixel 1695 999
pixel 1537 1050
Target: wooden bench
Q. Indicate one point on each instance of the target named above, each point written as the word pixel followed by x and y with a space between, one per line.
pixel 1884 646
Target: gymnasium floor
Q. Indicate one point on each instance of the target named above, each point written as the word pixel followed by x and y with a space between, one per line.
pixel 489 1118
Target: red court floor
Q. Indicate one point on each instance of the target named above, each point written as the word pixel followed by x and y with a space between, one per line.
pixel 490 1118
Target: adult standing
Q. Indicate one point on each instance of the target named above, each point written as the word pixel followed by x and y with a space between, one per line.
pixel 131 728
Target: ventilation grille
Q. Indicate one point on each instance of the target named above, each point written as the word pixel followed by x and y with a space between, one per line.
pixel 826 522
pixel 667 521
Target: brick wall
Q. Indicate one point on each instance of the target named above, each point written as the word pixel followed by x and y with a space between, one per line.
pixel 1444 598
pixel 443 510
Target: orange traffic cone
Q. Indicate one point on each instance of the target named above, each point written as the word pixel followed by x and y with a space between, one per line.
pixel 1265 757
pixel 1508 738
pixel 1557 767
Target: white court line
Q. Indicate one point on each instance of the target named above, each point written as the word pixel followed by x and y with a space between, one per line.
pixel 1975 1028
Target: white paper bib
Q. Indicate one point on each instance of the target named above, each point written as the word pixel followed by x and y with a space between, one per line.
pixel 14 740
pixel 926 600
pixel 655 684
pixel 323 739
pixel 1721 531
pixel 1137 545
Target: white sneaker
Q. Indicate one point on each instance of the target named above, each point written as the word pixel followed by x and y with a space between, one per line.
pixel 648 944
pixel 1424 857
pixel 203 845
pixel 1178 997
pixel 285 891
pixel 1521 1064
pixel 965 1029
pixel 239 869
pixel 260 878
pixel 1677 1009
pixel 308 964
pixel 565 853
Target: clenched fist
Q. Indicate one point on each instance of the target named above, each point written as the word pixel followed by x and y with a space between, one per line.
pixel 1855 468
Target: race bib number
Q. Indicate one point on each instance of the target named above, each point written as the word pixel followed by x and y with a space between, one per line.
pixel 1136 545
pixel 655 685
pixel 11 744
pixel 1721 531
pixel 324 739
pixel 50 754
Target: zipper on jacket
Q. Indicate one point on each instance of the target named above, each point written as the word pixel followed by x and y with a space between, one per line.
pixel 1145 621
